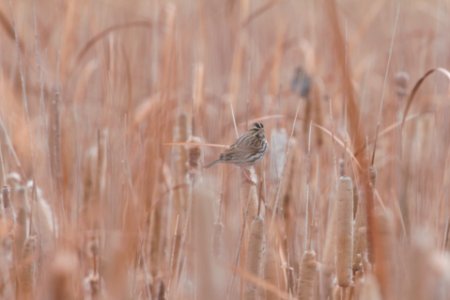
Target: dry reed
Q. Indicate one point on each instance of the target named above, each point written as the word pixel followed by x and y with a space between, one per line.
pixel 344 232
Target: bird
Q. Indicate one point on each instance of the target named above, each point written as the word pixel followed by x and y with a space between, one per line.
pixel 248 149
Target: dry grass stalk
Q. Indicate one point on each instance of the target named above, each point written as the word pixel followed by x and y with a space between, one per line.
pixel 255 256
pixel 89 186
pixel 359 231
pixel 329 252
pixel 55 143
pixel 202 242
pixel 359 248
pixel 22 223
pixel 287 183
pixel 102 159
pixel 447 236
pixel 344 232
pixel 254 205
pixel 44 220
pixel 218 241
pixel 278 144
pixel 198 87
pixel 26 276
pixel 307 276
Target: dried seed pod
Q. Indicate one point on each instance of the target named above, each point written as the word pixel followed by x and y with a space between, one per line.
pixel 307 278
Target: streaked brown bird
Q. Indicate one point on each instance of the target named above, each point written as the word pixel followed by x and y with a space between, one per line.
pixel 248 149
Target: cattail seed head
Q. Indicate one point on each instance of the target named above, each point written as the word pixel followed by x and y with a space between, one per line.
pixel 307 278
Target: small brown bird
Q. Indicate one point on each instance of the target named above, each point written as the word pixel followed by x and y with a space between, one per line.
pixel 247 150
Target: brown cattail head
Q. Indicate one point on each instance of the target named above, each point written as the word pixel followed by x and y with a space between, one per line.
pixel 344 231
pixel 307 278
pixel 255 256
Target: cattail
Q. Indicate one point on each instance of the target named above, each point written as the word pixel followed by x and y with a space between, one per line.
pixel 307 278
pixel 344 231
pixel 255 256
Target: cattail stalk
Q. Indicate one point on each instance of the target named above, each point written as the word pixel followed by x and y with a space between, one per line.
pixel 26 270
pixel 359 231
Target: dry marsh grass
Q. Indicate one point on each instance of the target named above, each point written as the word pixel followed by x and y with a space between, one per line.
pixel 110 109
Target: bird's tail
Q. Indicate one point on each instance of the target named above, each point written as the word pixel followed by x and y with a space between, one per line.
pixel 212 163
